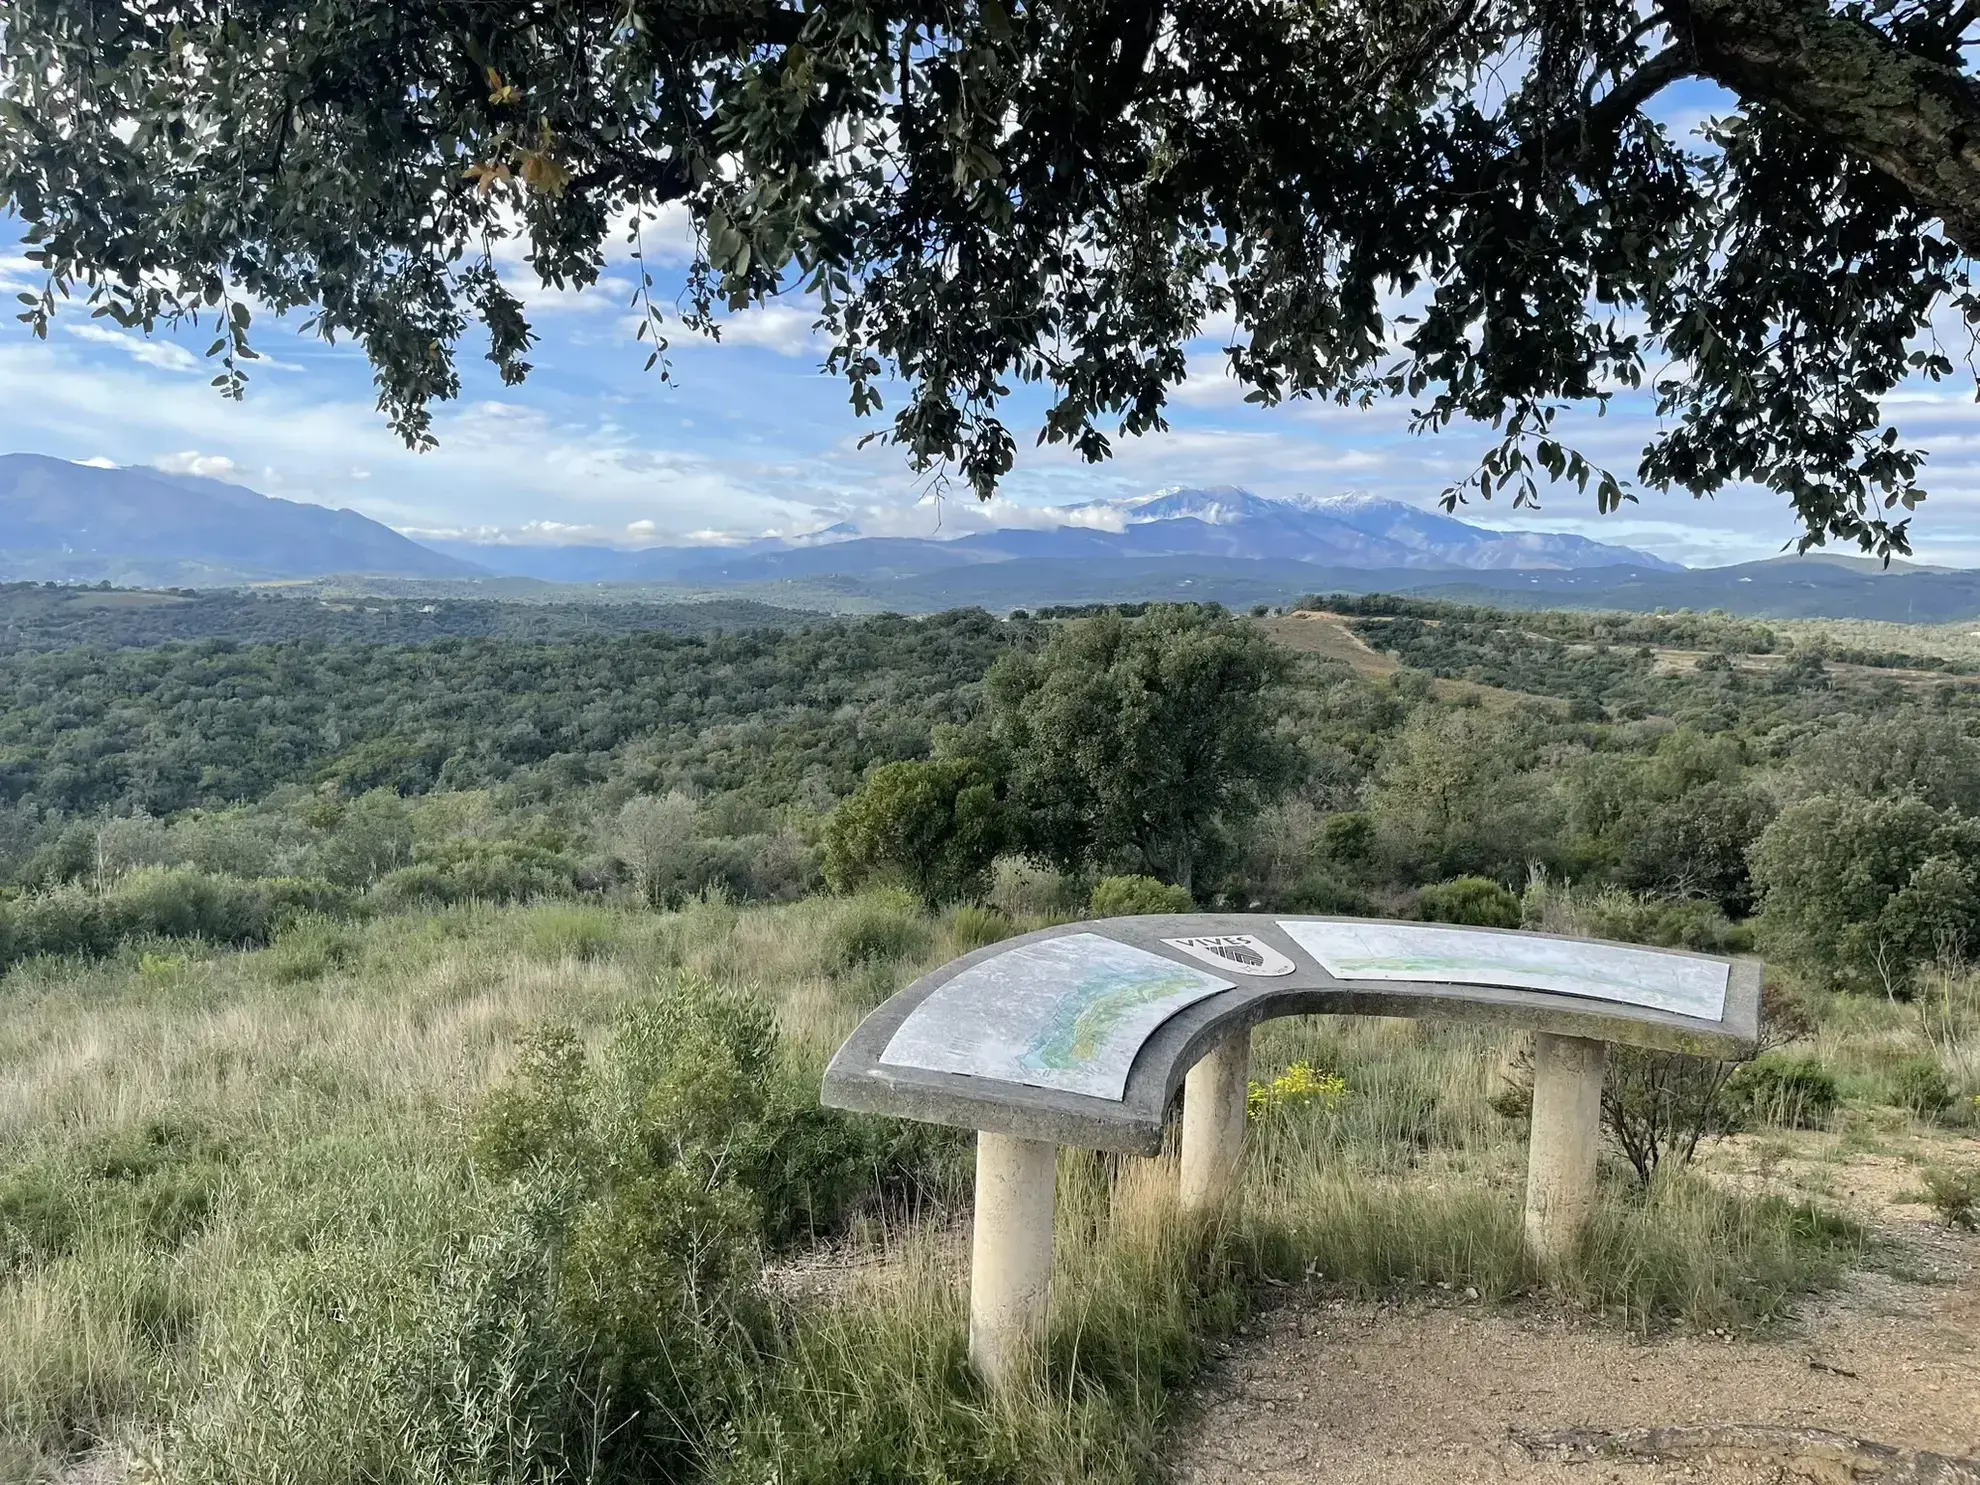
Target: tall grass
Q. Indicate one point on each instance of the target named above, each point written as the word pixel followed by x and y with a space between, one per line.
pixel 241 1233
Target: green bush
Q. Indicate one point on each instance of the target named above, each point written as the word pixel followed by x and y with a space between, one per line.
pixel 290 898
pixel 1320 890
pixel 655 1300
pixel 1131 896
pixel 156 1182
pixel 975 927
pixel 1475 900
pixel 1789 1092
pixel 935 825
pixel 1634 917
pixel 310 948
pixel 881 928
pixel 695 1079
pixel 560 930
pixel 667 1162
pixel 155 902
pixel 1954 1194
pixel 1919 1085
pixel 477 871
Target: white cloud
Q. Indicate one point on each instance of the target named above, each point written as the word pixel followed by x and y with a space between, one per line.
pixel 206 466
pixel 609 293
pixel 98 462
pixel 774 327
pixel 640 528
pixel 163 354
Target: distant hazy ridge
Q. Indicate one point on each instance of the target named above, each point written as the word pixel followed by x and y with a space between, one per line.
pixel 138 527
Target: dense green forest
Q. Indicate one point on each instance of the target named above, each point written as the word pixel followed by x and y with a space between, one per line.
pixel 51 616
pixel 1701 767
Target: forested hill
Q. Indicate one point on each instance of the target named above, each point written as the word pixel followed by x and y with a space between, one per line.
pixel 325 776
pixel 47 616
pixel 775 714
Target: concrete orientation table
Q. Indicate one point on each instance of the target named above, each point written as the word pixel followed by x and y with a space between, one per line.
pixel 1080 1035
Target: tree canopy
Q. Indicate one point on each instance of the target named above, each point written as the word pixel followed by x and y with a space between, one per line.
pixel 1144 743
pixel 1471 204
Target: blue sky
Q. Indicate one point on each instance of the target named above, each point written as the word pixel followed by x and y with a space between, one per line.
pixel 752 438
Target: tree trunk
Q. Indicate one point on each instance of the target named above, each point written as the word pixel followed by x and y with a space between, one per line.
pixel 1913 116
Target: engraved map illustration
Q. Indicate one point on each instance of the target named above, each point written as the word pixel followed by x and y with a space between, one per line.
pixel 1416 951
pixel 1068 1013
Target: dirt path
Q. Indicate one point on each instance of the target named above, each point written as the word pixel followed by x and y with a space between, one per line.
pixel 1326 1391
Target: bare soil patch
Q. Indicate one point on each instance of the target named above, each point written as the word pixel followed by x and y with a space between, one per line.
pixel 1326 1390
pixel 1329 635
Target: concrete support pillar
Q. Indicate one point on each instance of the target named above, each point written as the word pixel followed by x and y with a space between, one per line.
pixel 1567 1135
pixel 1213 1123
pixel 1010 1265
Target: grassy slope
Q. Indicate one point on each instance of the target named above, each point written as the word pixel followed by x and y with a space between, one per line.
pixel 204 1153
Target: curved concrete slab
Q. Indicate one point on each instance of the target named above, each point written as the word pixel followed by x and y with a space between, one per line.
pixel 1080 1034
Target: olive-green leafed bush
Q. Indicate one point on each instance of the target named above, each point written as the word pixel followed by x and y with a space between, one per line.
pixel 974 927
pixel 879 928
pixel 626 1307
pixel 1130 896
pixel 312 947
pixel 1789 1092
pixel 1476 900
pixel 1954 1194
pixel 71 921
pixel 155 1182
pixel 1919 1086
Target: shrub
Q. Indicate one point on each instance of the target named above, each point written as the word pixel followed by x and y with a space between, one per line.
pixel 1632 917
pixel 1476 900
pixel 973 927
pixel 1791 1092
pixel 1660 1106
pixel 666 1152
pixel 1919 1085
pixel 694 1081
pixel 1299 1086
pixel 570 931
pixel 1955 1195
pixel 1322 891
pixel 1022 887
pixel 884 927
pixel 153 902
pixel 477 871
pixel 311 948
pixel 290 898
pixel 1131 896
pixel 935 825
pixel 188 904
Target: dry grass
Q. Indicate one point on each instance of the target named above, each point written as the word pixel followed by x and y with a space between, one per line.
pixel 193 1151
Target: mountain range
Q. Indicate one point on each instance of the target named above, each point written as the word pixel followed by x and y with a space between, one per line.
pixel 1351 531
pixel 64 522
pixel 141 527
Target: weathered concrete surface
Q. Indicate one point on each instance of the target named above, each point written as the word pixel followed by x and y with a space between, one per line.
pixel 1213 1123
pixel 1010 1253
pixel 857 1079
pixel 1566 1139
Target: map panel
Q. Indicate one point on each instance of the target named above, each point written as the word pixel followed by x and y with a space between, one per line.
pixel 1469 956
pixel 1067 1013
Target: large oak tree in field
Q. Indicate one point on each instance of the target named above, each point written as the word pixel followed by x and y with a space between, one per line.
pixel 1469 204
